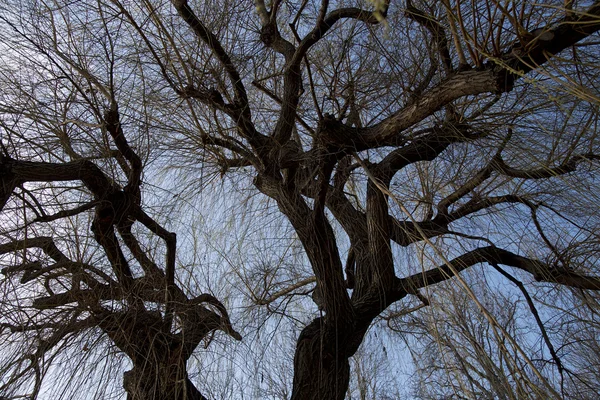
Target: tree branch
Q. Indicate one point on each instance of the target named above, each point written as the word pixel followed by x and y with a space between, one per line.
pixel 14 172
pixel 45 243
pixel 566 167
pixel 264 301
pixel 494 255
pixel 214 44
pixel 496 76
pixel 436 30
pixel 113 126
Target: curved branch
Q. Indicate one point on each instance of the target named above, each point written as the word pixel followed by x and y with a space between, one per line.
pixel 214 44
pixel 170 239
pixel 15 172
pixel 425 148
pixel 113 126
pixel 324 24
pixel 536 315
pixel 475 205
pixel 436 29
pixel 493 255
pixel 225 320
pixel 66 213
pixel 45 243
pixel 497 164
pixel 566 167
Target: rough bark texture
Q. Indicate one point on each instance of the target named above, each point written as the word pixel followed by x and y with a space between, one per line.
pixel 321 366
pixel 160 380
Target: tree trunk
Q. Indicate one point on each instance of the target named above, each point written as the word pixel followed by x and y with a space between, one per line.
pixel 321 367
pixel 160 382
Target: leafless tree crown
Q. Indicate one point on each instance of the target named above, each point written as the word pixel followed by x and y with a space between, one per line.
pixel 424 171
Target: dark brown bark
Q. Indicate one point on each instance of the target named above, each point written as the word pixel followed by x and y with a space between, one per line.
pixel 159 357
pixel 160 381
pixel 321 367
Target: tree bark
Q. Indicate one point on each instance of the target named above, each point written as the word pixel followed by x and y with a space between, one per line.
pixel 159 357
pixel 321 367
pixel 160 381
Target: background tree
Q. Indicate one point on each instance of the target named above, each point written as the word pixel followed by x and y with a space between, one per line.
pixel 81 253
pixel 406 157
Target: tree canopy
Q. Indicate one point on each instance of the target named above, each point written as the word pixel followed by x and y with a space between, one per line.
pixel 304 200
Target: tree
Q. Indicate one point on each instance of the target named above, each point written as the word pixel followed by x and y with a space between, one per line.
pixel 71 178
pixel 410 146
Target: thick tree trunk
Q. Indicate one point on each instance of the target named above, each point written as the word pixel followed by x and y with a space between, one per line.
pixel 160 382
pixel 321 367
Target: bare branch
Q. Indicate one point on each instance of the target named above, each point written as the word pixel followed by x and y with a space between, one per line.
pixel 437 31
pixel 494 255
pixel 214 44
pixel 283 292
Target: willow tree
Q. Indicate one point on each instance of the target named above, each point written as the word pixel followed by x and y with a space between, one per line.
pixel 409 145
